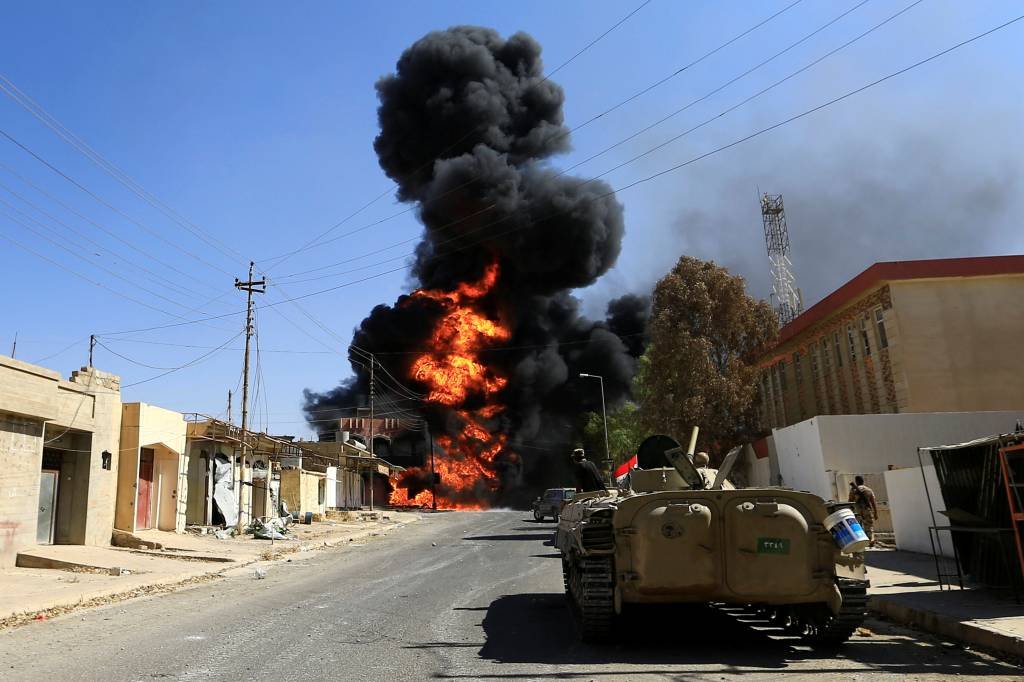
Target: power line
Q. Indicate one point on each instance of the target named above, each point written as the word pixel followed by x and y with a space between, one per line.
pixel 663 144
pixel 637 182
pixel 95 224
pixel 191 363
pixel 166 282
pixel 78 255
pixel 108 167
pixel 83 277
pixel 626 139
pixel 316 240
pixel 110 206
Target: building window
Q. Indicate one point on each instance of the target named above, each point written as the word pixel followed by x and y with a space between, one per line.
pixel 883 340
pixel 781 371
pixel 864 335
pixel 826 364
pixel 814 362
pixel 796 368
pixel 853 342
pixel 839 350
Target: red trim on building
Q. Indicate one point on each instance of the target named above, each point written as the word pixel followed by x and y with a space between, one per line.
pixel 879 273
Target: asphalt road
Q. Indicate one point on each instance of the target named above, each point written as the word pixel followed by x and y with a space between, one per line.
pixel 473 596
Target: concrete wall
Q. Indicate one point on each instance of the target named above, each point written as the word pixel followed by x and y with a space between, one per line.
pixel 21 455
pixel 801 458
pixel 82 415
pixel 960 342
pixel 812 452
pixel 911 514
pixel 331 493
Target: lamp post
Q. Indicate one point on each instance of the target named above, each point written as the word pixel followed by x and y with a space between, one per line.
pixel 604 416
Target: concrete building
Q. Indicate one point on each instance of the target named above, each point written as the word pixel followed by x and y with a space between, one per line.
pixel 58 470
pixel 152 480
pixel 910 336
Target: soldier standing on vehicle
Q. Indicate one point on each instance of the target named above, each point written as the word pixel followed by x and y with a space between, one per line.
pixel 588 478
pixel 864 507
pixel 700 461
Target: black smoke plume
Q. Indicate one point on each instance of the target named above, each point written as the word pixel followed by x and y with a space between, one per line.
pixel 467 122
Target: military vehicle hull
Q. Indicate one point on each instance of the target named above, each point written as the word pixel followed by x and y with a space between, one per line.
pixel 758 546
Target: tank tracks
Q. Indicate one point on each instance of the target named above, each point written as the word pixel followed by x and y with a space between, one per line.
pixel 590 587
pixel 834 629
pixel 816 624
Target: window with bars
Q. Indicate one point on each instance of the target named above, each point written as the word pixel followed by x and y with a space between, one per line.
pixel 814 362
pixel 796 368
pixel 852 341
pixel 780 370
pixel 883 340
pixel 864 336
pixel 826 364
pixel 839 350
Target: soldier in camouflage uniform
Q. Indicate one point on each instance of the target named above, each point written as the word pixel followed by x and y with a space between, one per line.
pixel 864 507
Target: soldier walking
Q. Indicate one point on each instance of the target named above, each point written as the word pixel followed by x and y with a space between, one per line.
pixel 864 507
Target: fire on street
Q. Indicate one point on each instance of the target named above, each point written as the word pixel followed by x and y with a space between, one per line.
pixel 462 595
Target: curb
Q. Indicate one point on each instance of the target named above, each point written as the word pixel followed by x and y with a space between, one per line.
pixel 175 582
pixel 939 624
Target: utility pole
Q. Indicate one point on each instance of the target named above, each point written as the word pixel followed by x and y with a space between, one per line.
pixel 229 406
pixel 92 344
pixel 433 472
pixel 373 464
pixel 14 346
pixel 249 286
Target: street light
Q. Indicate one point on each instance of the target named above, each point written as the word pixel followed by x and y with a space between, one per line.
pixel 604 416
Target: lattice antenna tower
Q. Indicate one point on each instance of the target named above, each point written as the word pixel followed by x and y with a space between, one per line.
pixel 786 297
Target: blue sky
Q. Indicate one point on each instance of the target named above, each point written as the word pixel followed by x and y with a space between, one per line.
pixel 255 122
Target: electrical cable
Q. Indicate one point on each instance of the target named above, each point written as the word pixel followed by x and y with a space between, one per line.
pixel 313 243
pixel 112 170
pixel 642 180
pixel 631 137
pixel 99 226
pixel 197 360
pixel 110 206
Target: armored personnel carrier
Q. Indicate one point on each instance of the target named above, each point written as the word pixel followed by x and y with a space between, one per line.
pixel 670 535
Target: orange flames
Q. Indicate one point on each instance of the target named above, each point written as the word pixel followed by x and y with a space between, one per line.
pixel 453 372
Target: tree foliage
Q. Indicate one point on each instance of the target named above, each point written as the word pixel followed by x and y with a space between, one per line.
pixel 624 435
pixel 699 368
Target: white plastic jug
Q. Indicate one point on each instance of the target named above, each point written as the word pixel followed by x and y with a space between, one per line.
pixel 846 531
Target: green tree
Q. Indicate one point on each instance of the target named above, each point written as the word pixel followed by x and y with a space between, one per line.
pixel 624 435
pixel 706 335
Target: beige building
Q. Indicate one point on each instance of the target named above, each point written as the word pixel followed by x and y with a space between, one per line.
pixel 909 336
pixel 152 480
pixel 58 464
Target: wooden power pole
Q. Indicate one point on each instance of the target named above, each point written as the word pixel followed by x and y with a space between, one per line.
pixel 249 286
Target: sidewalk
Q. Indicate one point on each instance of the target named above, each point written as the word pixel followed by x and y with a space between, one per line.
pixel 904 590
pixel 91 576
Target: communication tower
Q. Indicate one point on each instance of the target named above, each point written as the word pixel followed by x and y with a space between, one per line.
pixel 786 297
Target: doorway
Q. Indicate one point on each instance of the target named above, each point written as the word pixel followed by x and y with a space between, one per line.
pixel 47 523
pixel 144 501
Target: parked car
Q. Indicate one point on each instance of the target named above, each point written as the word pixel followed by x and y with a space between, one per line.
pixel 551 503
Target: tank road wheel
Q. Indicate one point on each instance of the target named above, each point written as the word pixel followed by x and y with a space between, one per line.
pixel 822 628
pixel 566 572
pixel 537 515
pixel 592 585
